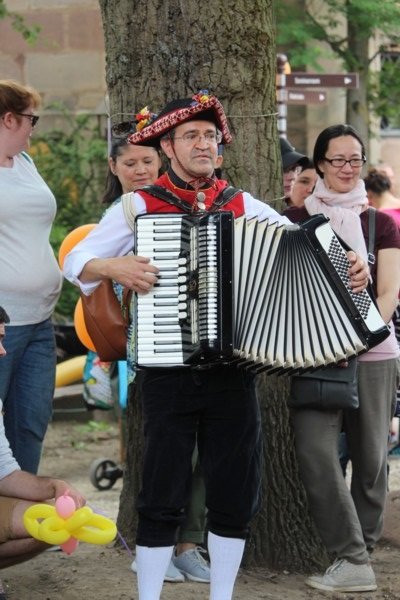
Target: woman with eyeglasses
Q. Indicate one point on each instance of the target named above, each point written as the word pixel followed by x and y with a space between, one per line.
pixel 350 522
pixel 30 279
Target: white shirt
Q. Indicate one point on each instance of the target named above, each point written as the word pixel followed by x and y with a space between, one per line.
pixel 30 279
pixel 8 464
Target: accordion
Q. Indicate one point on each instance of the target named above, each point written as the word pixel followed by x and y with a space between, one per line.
pixel 268 296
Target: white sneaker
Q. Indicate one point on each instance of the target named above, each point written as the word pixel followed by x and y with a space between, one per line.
pixel 344 576
pixel 193 566
pixel 172 575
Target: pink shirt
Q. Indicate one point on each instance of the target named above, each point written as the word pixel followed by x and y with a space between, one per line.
pixel 394 213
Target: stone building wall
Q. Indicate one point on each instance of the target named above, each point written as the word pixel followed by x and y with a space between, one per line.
pixel 67 63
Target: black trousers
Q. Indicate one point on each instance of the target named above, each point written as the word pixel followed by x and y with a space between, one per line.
pixel 220 407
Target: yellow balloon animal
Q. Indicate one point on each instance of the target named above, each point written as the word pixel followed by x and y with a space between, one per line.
pixel 63 525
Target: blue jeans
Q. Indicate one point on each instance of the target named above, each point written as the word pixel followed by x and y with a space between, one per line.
pixel 27 376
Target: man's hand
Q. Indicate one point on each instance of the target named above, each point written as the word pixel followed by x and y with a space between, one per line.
pixel 358 272
pixel 134 272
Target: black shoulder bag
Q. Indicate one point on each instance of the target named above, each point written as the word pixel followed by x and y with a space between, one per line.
pixel 335 387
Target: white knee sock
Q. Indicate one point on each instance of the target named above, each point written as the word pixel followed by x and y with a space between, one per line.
pixel 152 564
pixel 225 557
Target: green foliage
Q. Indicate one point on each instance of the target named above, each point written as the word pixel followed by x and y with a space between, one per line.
pixel 301 24
pixel 72 161
pixel 384 95
pixel 29 32
pixel 94 427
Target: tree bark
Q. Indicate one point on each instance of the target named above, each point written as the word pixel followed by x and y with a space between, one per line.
pixel 164 49
pixel 357 113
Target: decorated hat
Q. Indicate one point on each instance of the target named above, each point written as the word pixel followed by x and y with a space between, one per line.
pixel 290 157
pixel 201 106
pixel 137 122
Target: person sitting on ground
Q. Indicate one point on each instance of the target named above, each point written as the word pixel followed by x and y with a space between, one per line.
pixel 19 490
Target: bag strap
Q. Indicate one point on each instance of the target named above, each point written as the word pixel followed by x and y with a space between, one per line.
pixel 26 157
pixel 125 304
pixel 371 234
pixel 129 209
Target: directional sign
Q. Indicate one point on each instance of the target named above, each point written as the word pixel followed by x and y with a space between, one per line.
pixel 305 97
pixel 338 80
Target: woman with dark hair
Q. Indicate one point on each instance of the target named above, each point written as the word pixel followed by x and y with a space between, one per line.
pixel 130 167
pixel 350 522
pixel 378 186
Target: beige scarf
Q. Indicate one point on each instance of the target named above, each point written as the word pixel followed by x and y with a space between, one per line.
pixel 343 210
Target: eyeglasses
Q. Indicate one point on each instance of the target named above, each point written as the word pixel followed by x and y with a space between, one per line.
pixel 125 128
pixel 34 118
pixel 340 162
pixel 191 137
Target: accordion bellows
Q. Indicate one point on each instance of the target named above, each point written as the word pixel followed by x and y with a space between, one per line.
pixel 267 296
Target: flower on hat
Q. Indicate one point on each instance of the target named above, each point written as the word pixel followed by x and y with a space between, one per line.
pixel 143 118
pixel 202 96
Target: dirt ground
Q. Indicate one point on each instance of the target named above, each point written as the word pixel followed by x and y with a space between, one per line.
pixel 102 573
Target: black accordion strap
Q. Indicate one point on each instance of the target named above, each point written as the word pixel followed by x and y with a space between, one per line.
pixel 224 197
pixel 163 194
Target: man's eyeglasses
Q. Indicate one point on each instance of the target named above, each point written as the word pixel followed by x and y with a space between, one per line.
pixel 191 137
pixel 34 118
pixel 340 162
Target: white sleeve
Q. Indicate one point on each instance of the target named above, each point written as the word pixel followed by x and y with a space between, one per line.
pixel 261 210
pixel 8 464
pixel 111 237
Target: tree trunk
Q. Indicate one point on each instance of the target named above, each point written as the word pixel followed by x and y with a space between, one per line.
pixel 283 535
pixel 357 113
pixel 165 49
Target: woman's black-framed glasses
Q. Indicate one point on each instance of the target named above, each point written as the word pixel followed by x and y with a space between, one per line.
pixel 34 118
pixel 340 162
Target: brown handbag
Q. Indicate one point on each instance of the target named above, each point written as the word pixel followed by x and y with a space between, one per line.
pixel 106 319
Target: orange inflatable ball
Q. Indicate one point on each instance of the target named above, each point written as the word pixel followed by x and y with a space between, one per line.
pixel 80 327
pixel 75 236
